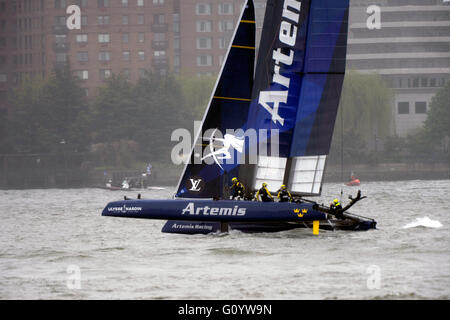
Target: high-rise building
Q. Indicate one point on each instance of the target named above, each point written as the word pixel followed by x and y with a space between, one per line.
pixel 115 36
pixel 410 49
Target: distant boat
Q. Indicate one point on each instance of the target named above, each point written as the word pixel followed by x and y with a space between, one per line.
pixel 293 97
pixel 353 182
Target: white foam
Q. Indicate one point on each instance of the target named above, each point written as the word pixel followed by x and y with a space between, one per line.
pixel 424 222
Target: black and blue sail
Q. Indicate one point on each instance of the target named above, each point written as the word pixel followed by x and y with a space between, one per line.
pixel 298 81
pixel 215 154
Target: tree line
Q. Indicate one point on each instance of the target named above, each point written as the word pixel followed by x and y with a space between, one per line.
pixel 123 122
pixel 120 123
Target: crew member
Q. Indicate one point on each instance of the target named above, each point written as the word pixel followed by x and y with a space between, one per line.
pixel 335 205
pixel 238 189
pixel 264 193
pixel 336 209
pixel 284 195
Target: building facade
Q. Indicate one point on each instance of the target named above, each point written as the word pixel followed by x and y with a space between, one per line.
pixel 411 50
pixel 125 37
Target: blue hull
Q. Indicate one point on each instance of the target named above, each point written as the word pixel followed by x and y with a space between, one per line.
pixel 224 211
pixel 210 216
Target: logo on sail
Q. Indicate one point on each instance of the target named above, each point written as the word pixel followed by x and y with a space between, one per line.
pixel 221 148
pixel 196 184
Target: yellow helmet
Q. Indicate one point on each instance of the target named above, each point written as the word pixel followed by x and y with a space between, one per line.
pixel 264 184
pixel 283 186
pixel 234 179
pixel 336 201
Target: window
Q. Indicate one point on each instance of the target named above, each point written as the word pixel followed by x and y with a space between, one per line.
pixel 159 19
pixel 82 74
pixel 222 43
pixel 204 26
pixel 82 56
pixel 176 44
pixel 226 25
pixel 3 77
pixel 433 82
pixel 60 39
pixel 226 8
pixel 126 55
pixel 103 3
pixel 424 82
pixel 204 43
pixel 124 3
pixel 140 3
pixel 2 59
pixel 104 74
pixel 103 38
pixel 159 37
pixel 102 20
pixel 104 56
pixel 140 19
pixel 403 107
pixel 82 3
pixel 60 4
pixel 59 21
pixel 203 8
pixel 141 55
pixel 141 37
pixel 159 54
pixel 124 19
pixel 61 57
pixel 158 2
pixel 84 20
pixel 421 107
pixel 204 60
pixel 81 38
pixel 125 37
pixel 126 73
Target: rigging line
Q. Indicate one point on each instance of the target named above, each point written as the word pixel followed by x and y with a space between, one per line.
pixel 342 149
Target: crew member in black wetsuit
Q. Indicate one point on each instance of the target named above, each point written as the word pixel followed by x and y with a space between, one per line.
pixel 336 209
pixel 264 194
pixel 284 195
pixel 238 189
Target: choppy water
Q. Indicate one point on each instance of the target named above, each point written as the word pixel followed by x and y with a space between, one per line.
pixel 48 236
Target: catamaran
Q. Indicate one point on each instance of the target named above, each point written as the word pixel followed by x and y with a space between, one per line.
pixel 272 124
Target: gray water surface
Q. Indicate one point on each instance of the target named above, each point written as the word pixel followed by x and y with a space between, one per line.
pixel 54 244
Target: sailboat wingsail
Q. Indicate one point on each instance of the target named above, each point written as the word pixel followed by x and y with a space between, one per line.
pixel 300 69
pixel 217 146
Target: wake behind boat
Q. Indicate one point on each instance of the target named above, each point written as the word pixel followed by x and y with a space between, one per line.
pixel 269 127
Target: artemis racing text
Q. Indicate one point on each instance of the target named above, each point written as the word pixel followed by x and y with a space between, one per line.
pixel 192 210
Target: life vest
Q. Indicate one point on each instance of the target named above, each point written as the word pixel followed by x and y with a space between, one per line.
pixel 284 195
pixel 265 195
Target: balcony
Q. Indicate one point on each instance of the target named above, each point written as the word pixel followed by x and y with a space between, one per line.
pixel 160 63
pixel 160 45
pixel 60 29
pixel 61 47
pixel 160 27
